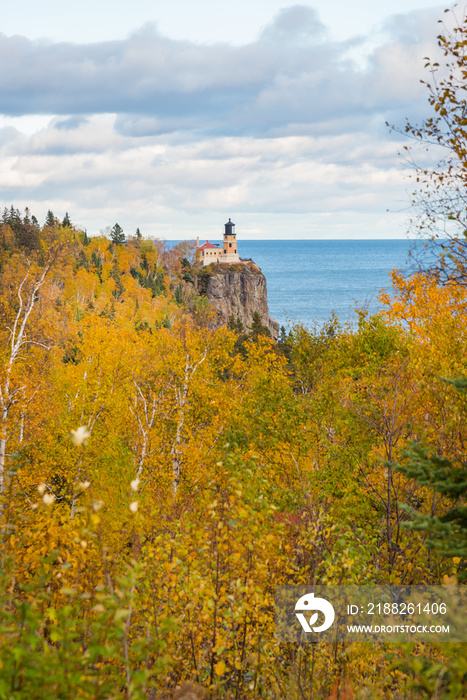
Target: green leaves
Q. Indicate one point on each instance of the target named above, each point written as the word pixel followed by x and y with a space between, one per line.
pixel 447 526
pixel 54 644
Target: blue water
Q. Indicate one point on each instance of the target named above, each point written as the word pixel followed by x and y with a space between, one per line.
pixel 308 280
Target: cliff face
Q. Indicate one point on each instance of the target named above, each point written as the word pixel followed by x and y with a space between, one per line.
pixel 239 294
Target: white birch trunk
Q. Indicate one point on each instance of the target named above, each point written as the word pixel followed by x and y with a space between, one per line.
pixel 17 341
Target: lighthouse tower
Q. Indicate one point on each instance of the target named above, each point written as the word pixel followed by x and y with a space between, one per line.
pixel 229 252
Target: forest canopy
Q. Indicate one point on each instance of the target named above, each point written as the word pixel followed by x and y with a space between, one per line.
pixel 160 475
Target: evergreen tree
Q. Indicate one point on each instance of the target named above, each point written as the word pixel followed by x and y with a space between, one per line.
pixel 119 288
pixel 97 263
pixel 12 217
pixel 82 260
pixel 448 532
pixel 236 325
pixel 50 219
pixel 157 284
pixel 285 343
pixel 117 235
pixel 25 230
pixel 187 268
pixel 257 328
pixel 66 223
pixel 178 296
pixel 138 235
pixel 85 239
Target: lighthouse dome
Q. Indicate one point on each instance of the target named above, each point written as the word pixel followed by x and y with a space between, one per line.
pixel 230 228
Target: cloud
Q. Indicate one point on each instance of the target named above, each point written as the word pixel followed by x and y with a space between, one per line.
pixel 70 123
pixel 153 132
pixel 292 75
pixel 105 171
pixel 296 25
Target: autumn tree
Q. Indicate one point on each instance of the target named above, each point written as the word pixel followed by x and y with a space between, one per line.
pixel 438 156
pixel 143 561
pixel 19 300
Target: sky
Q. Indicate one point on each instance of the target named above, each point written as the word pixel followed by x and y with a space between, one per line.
pixel 173 117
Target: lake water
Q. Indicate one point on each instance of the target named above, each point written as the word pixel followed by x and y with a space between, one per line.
pixel 308 280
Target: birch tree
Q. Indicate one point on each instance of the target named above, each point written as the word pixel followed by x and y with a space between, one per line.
pixel 19 337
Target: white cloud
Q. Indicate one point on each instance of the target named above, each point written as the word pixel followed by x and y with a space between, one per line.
pixel 298 24
pixel 113 175
pixel 159 85
pixel 154 132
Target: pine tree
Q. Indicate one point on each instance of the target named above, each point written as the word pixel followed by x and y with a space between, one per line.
pixel 14 219
pixel 85 239
pixel 178 296
pixel 448 532
pixel 66 223
pixel 257 328
pixel 117 235
pixel 138 235
pixel 82 261
pixel 236 325
pixel 119 288
pixel 25 230
pixel 285 343
pixel 97 263
pixel 50 219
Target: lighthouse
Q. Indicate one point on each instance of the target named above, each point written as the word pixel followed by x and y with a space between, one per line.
pixel 209 253
pixel 229 252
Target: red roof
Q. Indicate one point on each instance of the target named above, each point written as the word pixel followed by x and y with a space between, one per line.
pixel 207 245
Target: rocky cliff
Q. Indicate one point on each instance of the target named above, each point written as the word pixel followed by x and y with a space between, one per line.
pixel 238 291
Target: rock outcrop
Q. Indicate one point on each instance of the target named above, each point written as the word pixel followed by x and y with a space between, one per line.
pixel 238 293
